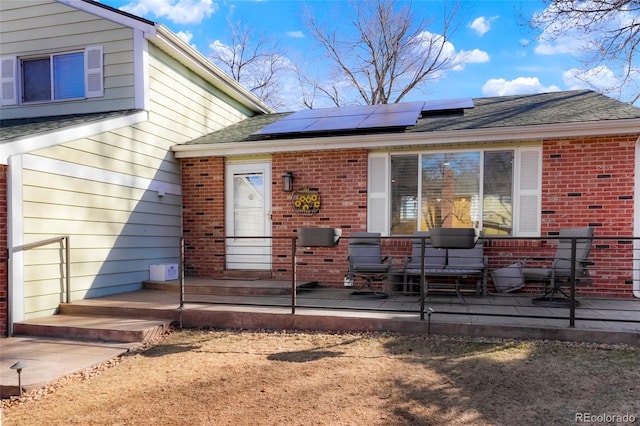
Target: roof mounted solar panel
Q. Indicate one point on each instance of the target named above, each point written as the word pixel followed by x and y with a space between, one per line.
pixel 399 107
pixel 285 126
pixel 392 119
pixel 448 104
pixel 345 122
pixel 358 117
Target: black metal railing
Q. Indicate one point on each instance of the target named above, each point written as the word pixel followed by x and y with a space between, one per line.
pixel 315 279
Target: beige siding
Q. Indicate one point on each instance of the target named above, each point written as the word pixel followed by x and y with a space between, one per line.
pixel 179 97
pixel 117 230
pixel 102 190
pixel 37 27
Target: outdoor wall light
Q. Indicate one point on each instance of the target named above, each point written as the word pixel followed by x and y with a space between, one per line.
pixel 287 182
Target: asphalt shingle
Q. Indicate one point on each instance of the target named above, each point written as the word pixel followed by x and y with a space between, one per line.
pixel 492 112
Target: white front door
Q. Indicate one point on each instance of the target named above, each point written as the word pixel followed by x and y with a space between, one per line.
pixel 248 214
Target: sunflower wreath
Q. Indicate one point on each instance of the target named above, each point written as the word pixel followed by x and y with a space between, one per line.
pixel 306 202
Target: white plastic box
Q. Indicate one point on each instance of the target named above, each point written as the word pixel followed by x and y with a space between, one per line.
pixel 163 272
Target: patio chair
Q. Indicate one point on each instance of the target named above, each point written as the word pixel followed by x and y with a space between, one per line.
pixel 558 274
pixel 366 261
pixel 453 264
pixel 434 258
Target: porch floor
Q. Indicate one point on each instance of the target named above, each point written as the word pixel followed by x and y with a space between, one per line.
pixel 319 308
pixel 273 297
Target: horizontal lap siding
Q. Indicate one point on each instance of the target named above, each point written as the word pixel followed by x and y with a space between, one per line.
pixel 117 231
pixel 179 95
pixel 37 27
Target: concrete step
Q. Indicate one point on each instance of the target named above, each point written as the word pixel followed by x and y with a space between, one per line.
pixel 225 287
pixel 93 327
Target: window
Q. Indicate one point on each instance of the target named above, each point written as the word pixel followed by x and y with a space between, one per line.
pixel 464 189
pixel 53 78
pixel 57 76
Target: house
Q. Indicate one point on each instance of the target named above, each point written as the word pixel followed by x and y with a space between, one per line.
pixel 514 166
pixel 93 99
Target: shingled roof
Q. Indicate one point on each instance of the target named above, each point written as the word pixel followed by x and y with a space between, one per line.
pixel 578 106
pixel 25 127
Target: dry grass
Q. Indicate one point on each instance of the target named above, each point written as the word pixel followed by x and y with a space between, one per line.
pixel 203 377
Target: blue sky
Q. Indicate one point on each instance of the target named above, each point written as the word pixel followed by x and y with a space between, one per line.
pixel 503 55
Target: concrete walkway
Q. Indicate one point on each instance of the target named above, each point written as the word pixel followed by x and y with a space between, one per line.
pixel 45 360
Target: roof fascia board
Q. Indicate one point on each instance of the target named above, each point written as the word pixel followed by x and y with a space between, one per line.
pixel 497 134
pixel 113 16
pixel 208 70
pixel 56 137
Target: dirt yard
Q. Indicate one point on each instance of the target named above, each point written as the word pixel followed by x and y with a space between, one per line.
pixel 207 377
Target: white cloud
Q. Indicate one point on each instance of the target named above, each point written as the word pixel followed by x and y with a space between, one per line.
pixel 186 36
pixel 518 86
pixel 225 51
pixel 178 11
pixel 295 34
pixel 600 78
pixel 482 25
pixel 560 46
pixel 476 56
pixel 458 59
pixel 576 33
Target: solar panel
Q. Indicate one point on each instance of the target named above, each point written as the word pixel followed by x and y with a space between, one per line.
pixel 448 104
pixel 394 119
pixel 400 107
pixel 285 126
pixel 359 117
pixel 337 123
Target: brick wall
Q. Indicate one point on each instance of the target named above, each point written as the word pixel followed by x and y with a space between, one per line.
pixel 338 176
pixel 586 182
pixel 4 283
pixel 203 215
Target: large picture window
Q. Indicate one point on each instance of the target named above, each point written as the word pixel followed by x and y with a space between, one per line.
pixel 465 189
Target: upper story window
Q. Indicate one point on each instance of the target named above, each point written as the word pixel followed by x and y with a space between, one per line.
pixel 52 77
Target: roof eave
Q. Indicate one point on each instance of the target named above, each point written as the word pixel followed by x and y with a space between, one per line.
pixel 43 140
pixel 397 140
pixel 112 15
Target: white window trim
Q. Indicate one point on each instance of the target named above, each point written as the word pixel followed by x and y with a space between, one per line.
pixel 371 213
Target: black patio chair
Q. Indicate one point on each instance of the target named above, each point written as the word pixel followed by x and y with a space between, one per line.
pixel 434 258
pixel 366 261
pixel 558 274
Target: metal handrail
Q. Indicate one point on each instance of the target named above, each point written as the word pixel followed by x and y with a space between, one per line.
pixel 65 239
pixel 294 302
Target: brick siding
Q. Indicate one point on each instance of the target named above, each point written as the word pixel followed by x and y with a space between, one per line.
pixel 586 182
pixel 4 280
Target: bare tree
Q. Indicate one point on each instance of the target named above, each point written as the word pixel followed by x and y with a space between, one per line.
pixel 609 31
pixel 389 54
pixel 254 61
